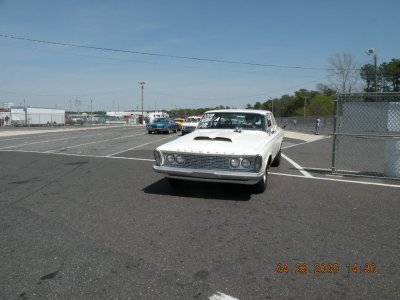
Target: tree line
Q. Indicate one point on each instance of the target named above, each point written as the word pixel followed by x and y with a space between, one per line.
pixel 344 74
pixel 303 102
pixel 386 77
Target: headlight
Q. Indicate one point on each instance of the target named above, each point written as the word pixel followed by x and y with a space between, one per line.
pixel 234 162
pixel 258 163
pixel 170 158
pixel 179 159
pixel 157 157
pixel 246 163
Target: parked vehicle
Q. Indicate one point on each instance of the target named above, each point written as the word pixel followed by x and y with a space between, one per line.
pixel 235 146
pixel 190 124
pixel 179 122
pixel 166 125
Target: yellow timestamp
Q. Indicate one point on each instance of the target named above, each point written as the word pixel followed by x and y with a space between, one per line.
pixel 325 268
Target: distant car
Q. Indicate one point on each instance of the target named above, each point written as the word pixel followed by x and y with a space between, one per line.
pixel 179 122
pixel 162 125
pixel 190 124
pixel 235 146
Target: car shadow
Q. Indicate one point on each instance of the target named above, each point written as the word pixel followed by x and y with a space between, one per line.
pixel 201 190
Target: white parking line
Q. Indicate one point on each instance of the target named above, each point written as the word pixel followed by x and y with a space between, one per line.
pixel 338 180
pixel 116 153
pixel 95 142
pixel 33 143
pixel 271 173
pixel 49 141
pixel 297 166
pixel 221 296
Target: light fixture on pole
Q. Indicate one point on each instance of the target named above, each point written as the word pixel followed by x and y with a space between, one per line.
pixel 142 83
pixel 370 52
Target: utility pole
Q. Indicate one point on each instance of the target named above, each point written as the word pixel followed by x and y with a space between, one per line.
pixel 272 105
pixel 372 52
pixel 305 105
pixel 142 83
pixel 91 111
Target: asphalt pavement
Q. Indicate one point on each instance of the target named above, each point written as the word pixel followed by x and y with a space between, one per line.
pixel 84 216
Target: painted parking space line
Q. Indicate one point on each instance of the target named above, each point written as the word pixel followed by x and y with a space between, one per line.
pixel 139 146
pixel 297 166
pixel 221 296
pixel 34 143
pixel 95 142
pixel 338 180
pixel 270 173
pixel 50 140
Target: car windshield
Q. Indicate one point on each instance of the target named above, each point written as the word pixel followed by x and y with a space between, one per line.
pixel 161 120
pixel 232 120
pixel 193 120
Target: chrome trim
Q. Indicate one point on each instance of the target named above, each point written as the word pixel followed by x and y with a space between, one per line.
pixel 210 175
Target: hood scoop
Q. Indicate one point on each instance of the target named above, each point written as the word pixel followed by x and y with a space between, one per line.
pixel 207 138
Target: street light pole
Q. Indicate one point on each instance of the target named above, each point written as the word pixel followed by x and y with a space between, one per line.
pixel 142 83
pixel 372 52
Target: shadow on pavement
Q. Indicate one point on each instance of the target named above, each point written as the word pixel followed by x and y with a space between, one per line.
pixel 201 190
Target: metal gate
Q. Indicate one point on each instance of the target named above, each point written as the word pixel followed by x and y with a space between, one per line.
pixel 366 138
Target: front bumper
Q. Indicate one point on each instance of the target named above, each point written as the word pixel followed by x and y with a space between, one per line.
pixel 188 129
pixel 158 129
pixel 210 175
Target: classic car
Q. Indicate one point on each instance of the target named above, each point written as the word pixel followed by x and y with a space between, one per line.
pixel 162 125
pixel 190 124
pixel 234 146
pixel 179 122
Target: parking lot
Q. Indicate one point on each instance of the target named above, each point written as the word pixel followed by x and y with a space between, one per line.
pixel 83 215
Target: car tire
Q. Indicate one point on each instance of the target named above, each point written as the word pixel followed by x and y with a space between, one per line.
pixel 261 186
pixel 174 182
pixel 149 132
pixel 277 161
pixel 175 130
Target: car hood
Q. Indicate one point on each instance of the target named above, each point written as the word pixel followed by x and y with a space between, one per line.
pixel 190 124
pixel 211 141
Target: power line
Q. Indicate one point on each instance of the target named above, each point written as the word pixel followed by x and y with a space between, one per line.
pixel 160 54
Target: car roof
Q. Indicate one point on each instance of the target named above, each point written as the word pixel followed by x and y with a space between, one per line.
pixel 234 110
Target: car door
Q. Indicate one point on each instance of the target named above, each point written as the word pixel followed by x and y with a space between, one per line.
pixel 274 132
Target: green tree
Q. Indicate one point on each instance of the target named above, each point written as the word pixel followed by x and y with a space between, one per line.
pixel 320 105
pixel 391 75
pixel 367 73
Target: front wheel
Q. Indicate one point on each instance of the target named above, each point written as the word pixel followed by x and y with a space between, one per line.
pixel 277 161
pixel 261 186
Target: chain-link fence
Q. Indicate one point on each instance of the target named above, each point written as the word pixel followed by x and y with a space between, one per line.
pixel 366 139
pixel 306 123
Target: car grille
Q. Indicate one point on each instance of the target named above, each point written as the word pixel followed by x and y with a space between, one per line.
pixel 205 162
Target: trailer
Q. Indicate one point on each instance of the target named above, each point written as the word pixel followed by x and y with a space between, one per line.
pixel 32 116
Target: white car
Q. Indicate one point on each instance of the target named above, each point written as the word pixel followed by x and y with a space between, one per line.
pixel 229 145
pixel 190 124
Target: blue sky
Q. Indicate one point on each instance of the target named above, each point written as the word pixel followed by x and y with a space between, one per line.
pixel 285 33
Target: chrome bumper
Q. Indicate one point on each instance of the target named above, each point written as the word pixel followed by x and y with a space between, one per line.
pixel 210 175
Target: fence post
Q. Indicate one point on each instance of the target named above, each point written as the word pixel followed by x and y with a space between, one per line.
pixel 336 106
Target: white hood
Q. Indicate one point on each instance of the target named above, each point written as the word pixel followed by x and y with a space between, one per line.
pixel 226 141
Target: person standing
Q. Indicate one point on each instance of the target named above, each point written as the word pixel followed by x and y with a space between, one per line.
pixel 317 125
